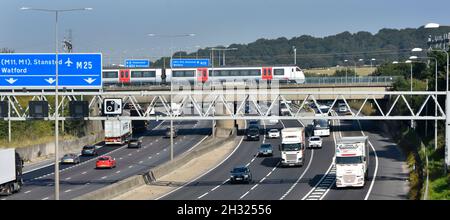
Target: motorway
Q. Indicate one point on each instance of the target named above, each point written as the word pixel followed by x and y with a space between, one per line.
pixel 313 181
pixel 77 180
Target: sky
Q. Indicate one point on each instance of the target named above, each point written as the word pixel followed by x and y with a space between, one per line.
pixel 119 29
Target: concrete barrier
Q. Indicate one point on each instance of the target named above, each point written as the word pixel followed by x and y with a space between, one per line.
pixel 154 174
pixel 70 146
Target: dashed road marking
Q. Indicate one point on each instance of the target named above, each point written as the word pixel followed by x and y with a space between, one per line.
pixel 67 190
pixel 118 171
pixel 27 191
pixel 46 198
pixel 104 177
pixel 68 178
pixel 83 173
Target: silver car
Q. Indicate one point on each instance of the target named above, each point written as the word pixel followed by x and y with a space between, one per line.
pixel 70 159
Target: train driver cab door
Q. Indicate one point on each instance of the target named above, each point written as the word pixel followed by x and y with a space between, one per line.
pixel 202 75
pixel 124 76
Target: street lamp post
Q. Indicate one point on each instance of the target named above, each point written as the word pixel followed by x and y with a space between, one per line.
pixel 435 87
pixel 56 11
pixel 171 84
pixel 346 70
pixel 447 119
pixel 295 55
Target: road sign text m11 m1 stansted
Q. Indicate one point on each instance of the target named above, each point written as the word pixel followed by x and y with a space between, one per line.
pixel 37 71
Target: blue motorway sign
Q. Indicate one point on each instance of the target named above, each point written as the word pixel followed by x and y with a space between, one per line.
pixel 37 71
pixel 190 62
pixel 137 63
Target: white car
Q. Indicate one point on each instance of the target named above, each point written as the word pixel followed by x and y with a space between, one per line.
pixel 342 107
pixel 315 142
pixel 273 133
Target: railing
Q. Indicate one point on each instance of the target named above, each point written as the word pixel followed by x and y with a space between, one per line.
pixel 361 80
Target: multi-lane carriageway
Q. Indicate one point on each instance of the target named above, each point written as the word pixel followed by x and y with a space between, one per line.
pixel 313 181
pixel 80 179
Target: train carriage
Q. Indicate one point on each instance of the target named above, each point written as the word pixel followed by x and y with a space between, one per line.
pixel 140 76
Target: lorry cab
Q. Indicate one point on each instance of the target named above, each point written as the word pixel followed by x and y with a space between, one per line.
pixel 351 161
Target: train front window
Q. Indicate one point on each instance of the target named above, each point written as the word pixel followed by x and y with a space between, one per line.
pixel 278 72
pixel 110 74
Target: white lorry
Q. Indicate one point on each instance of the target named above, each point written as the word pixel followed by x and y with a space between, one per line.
pixel 176 109
pixel 117 131
pixel 351 161
pixel 10 171
pixel 292 146
pixel 321 127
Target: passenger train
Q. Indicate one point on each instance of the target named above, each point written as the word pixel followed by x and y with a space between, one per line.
pixel 288 74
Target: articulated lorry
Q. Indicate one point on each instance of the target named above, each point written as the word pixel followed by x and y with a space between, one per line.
pixel 118 131
pixel 292 146
pixel 11 165
pixel 352 161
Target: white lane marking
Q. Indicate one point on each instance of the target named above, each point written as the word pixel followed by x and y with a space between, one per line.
pixel 83 173
pixel 118 171
pixel 67 190
pixel 324 185
pixel 68 178
pixel 130 166
pixel 195 179
pixel 376 167
pixel 104 177
pixel 46 198
pixel 206 193
pixel 3 199
pixel 130 155
pixel 38 168
pixel 27 191
pixel 150 157
pixel 165 149
pixel 198 143
pixel 87 184
pixel 157 153
pixel 141 161
pixel 299 178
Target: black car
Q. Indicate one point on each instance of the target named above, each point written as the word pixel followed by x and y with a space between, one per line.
pixel 167 135
pixel 89 150
pixel 135 142
pixel 241 174
pixel 252 133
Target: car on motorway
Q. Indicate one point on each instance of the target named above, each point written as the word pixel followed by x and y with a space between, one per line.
pixel 135 142
pixel 265 150
pixel 105 162
pixel 89 150
pixel 167 134
pixel 315 142
pixel 241 174
pixel 342 107
pixel 273 133
pixel 70 159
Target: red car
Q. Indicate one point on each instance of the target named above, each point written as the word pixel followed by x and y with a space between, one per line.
pixel 105 162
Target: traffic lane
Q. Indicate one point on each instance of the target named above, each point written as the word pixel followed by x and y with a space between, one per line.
pixel 68 178
pixel 134 166
pixel 279 179
pixel 259 167
pixel 50 168
pixel 35 189
pixel 216 178
pixel 392 175
pixel 351 128
pixel 70 181
pixel 320 163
